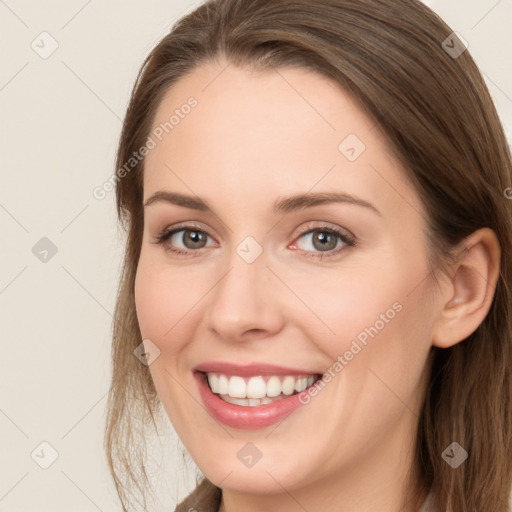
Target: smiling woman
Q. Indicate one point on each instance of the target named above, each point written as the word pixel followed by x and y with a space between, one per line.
pixel 314 263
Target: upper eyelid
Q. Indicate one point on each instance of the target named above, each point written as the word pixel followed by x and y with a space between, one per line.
pixel 309 228
pixel 190 225
pixel 186 227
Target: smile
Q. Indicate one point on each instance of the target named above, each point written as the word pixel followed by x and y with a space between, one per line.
pixel 251 396
pixel 260 390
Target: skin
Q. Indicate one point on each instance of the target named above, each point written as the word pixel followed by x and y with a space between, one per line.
pixel 256 137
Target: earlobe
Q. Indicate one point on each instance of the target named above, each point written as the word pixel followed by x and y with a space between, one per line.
pixel 466 297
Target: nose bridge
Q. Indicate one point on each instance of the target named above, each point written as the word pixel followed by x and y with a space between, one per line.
pixel 244 299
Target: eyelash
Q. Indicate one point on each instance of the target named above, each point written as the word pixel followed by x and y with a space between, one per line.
pixel 348 240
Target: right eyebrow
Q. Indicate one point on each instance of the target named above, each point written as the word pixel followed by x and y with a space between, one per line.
pixel 283 205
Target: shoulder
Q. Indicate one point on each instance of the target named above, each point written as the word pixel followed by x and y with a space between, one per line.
pixel 204 498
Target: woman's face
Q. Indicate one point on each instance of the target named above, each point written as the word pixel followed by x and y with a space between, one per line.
pixel 265 296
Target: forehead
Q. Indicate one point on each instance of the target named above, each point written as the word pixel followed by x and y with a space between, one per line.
pixel 261 134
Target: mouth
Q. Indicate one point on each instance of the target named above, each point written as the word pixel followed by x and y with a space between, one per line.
pixel 257 390
pixel 252 396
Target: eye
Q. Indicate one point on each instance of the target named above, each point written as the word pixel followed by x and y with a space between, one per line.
pixel 321 241
pixel 191 238
pixel 325 241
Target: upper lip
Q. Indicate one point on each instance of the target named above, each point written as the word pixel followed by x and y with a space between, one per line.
pixel 249 370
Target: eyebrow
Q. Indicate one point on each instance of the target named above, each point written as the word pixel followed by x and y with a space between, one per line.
pixel 282 205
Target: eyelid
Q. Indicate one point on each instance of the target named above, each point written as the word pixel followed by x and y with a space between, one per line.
pixel 348 238
pixel 168 232
pixel 185 226
pixel 327 226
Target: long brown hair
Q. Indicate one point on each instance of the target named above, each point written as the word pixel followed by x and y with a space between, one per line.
pixel 436 111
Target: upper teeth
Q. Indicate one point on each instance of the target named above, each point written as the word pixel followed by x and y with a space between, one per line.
pixel 257 387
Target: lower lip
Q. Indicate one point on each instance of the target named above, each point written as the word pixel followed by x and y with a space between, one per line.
pixel 246 417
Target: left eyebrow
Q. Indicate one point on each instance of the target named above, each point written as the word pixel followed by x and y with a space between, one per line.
pixel 283 205
pixel 303 201
pixel 191 202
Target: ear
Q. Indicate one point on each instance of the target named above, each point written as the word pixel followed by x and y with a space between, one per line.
pixel 466 296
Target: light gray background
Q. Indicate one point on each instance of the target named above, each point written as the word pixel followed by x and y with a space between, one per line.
pixel 60 122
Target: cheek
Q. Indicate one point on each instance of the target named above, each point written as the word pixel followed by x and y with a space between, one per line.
pixel 381 305
pixel 385 336
pixel 160 302
pixel 355 301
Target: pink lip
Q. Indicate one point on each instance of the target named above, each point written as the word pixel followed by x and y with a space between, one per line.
pixel 239 416
pixel 249 370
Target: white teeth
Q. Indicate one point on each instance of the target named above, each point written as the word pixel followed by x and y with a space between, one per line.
pixel 273 387
pixel 236 401
pixel 223 385
pixel 258 390
pixel 249 402
pixel 301 384
pixel 288 385
pixel 256 387
pixel 237 387
pixel 213 380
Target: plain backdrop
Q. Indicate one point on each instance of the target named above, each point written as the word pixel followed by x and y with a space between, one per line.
pixel 66 72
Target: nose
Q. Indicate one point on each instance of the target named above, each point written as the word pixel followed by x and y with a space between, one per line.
pixel 246 302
